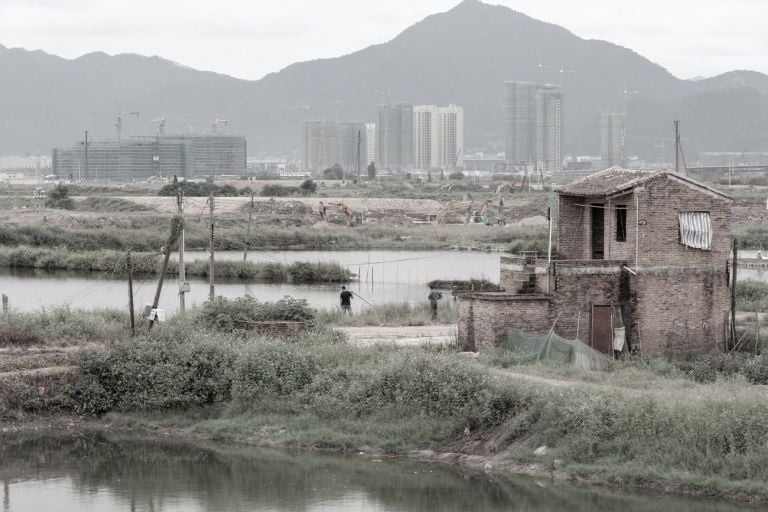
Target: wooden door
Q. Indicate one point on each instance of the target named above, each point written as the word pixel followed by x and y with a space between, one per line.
pixel 598 231
pixel 602 329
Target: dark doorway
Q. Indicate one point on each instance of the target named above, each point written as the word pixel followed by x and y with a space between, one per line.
pixel 602 329
pixel 598 231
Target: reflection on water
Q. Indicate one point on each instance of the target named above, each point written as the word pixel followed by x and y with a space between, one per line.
pixel 97 473
pixel 384 276
pixel 391 276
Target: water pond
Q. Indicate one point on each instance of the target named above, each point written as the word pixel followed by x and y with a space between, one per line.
pixel 100 473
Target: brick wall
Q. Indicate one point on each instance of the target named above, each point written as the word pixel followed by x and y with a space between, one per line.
pixel 273 329
pixel 657 240
pixel 485 318
pixel 666 310
pixel 680 311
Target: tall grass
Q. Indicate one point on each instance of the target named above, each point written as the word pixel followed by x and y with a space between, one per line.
pixel 62 326
pixel 394 314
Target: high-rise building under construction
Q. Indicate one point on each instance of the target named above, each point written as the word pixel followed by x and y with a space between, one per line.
pixel 139 158
pixel 533 121
pixel 394 136
pixel 612 133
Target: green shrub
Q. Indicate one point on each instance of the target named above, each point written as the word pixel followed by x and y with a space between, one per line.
pixel 222 313
pixel 269 370
pixel 151 375
pixel 275 190
pixel 756 370
pixel 19 336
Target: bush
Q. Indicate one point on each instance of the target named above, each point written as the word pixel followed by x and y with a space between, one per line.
pixel 271 369
pixel 274 190
pixel 756 370
pixel 456 176
pixel 151 375
pixel 335 172
pixel 222 313
pixel 308 187
pixel 59 198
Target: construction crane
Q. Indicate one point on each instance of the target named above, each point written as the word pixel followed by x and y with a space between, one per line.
pixel 218 122
pixel 162 123
pixel 118 121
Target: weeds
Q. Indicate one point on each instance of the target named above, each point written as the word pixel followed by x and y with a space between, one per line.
pixel 392 314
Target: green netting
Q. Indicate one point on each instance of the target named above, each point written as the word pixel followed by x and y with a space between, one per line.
pixel 551 347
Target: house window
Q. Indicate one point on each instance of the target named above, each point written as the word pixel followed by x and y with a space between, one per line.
pixel 696 230
pixel 621 223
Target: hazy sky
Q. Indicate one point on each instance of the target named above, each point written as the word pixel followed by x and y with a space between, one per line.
pixel 249 38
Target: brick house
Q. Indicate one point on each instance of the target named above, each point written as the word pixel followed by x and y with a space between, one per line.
pixel 642 256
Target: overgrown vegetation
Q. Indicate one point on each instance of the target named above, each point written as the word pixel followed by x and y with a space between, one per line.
pixel 202 189
pixel 222 314
pixel 391 314
pixel 115 264
pixel 109 204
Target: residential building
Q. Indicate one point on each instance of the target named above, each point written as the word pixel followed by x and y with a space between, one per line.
pixel 641 267
pixel 612 132
pixel 321 141
pixel 449 143
pixel 370 140
pixel 424 136
pixel 394 136
pixel 533 121
pixel 438 137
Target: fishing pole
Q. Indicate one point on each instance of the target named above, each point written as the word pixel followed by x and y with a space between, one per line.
pixel 361 298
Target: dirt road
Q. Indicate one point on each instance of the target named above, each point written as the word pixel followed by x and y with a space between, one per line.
pixel 416 335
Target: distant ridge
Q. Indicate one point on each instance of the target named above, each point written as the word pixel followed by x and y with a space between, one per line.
pixel 461 56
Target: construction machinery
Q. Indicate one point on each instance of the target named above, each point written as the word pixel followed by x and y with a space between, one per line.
pixel 349 215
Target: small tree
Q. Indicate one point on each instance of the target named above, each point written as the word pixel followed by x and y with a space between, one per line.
pixel 442 175
pixel 335 172
pixel 371 171
pixel 308 187
pixel 429 177
pixel 59 198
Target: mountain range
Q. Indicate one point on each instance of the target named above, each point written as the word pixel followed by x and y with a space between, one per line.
pixel 461 56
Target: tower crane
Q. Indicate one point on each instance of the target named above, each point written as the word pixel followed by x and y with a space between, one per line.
pixel 118 120
pixel 218 122
pixel 162 123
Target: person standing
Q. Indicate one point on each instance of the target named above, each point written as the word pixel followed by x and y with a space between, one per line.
pixel 346 301
pixel 433 297
pixel 323 210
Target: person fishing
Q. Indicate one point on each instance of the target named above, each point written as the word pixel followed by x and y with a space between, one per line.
pixel 346 301
pixel 434 296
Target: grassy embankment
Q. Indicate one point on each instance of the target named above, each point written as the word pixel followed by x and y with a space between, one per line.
pixel 116 265
pixel 645 423
pixel 148 232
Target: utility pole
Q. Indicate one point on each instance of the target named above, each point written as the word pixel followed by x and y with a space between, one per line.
pixel 677 146
pixel 86 156
pixel 182 270
pixel 211 276
pixel 248 229
pixel 130 292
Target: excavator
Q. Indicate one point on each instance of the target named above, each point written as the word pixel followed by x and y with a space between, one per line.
pixel 349 215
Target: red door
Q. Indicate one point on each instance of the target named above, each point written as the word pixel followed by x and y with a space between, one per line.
pixel 602 329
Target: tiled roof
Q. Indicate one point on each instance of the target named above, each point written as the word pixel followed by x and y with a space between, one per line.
pixel 615 180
